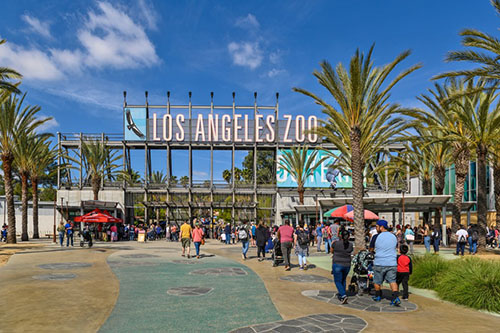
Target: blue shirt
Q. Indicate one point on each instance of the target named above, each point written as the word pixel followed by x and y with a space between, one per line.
pixel 319 232
pixel 253 230
pixel 69 231
pixel 385 250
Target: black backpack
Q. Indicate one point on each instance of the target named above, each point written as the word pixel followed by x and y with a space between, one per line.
pixel 475 236
pixel 302 237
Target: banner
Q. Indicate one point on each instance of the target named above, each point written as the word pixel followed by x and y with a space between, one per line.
pixel 325 175
pixel 135 124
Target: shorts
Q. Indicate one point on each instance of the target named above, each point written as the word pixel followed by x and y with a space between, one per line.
pixel 384 273
pixel 186 242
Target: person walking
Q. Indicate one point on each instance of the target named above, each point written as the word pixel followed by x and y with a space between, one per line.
pixel 462 236
pixel 409 236
pixel 227 232
pixel 385 264
pixel 186 235
pixel 319 236
pixel 114 233
pixel 61 229
pixel 285 235
pixel 198 236
pixel 254 229
pixel 327 237
pixel 301 240
pixel 261 237
pixel 341 264
pixel 427 237
pixel 244 236
pixel 405 269
pixel 69 233
pixel 436 238
pixel 473 239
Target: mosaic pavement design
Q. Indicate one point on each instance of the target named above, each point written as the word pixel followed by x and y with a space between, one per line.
pixel 313 323
pixel 364 303
pixel 306 278
pixel 139 256
pixel 189 291
pixel 120 264
pixel 225 271
pixel 65 265
pixel 55 277
pixel 185 262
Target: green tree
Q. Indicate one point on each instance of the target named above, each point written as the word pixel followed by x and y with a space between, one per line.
pixel 7 74
pixel 300 165
pixel 173 180
pixel 15 121
pixel 158 178
pixel 363 120
pixel 130 176
pixel 226 175
pixel 184 181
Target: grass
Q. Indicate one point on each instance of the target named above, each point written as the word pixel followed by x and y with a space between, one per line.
pixel 471 282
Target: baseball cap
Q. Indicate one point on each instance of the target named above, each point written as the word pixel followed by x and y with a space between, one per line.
pixel 383 223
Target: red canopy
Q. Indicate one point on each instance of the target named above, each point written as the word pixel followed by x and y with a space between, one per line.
pixel 340 211
pixel 369 215
pixel 98 216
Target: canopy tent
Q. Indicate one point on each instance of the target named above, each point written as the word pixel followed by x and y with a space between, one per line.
pixel 368 215
pixel 98 216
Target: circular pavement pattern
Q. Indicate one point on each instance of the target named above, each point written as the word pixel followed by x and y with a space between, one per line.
pixel 313 323
pixel 185 262
pixel 65 265
pixel 306 278
pixel 139 256
pixel 364 303
pixel 189 291
pixel 55 277
pixel 121 264
pixel 224 271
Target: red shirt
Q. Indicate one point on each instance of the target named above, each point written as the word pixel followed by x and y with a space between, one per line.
pixel 286 233
pixel 404 264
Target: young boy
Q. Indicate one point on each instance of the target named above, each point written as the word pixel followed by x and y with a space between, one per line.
pixel 404 270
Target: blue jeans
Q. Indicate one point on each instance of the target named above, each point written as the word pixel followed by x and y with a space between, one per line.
pixel 472 246
pixel 302 260
pixel 228 238
pixel 339 276
pixel 436 244
pixel 244 247
pixel 68 237
pixel 427 243
pixel 197 247
pixel 460 248
pixel 328 245
pixel 319 239
pixel 61 237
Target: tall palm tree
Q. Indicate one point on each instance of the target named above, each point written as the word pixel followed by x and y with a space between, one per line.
pixel 184 181
pixel 7 74
pixel 495 158
pixel 15 120
pixel 300 164
pixel 158 177
pixel 99 161
pixel 362 122
pixel 226 175
pixel 42 157
pixel 130 176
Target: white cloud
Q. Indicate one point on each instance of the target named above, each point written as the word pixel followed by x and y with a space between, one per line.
pixel 275 72
pixel 70 61
pixel 49 125
pixel 247 22
pixel 275 57
pixel 42 28
pixel 148 14
pixel 200 173
pixel 246 54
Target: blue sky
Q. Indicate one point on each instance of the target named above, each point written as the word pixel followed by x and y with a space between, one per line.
pixel 77 57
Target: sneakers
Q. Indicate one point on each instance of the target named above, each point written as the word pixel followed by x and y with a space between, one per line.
pixel 189 256
pixel 377 298
pixel 343 300
pixel 396 302
pixel 405 298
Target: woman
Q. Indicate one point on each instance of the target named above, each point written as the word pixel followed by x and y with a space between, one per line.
pixel 399 235
pixel 409 237
pixel 261 235
pixel 341 264
pixel 61 229
pixel 427 237
pixel 436 238
pixel 301 240
pixel 197 239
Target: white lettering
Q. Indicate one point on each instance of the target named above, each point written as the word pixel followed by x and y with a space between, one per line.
pixel 300 127
pixel 236 128
pixel 312 124
pixel 155 136
pixel 245 129
pixel 269 125
pixel 200 129
pixel 213 127
pixel 258 127
pixel 287 128
pixel 178 120
pixel 169 127
pixel 226 131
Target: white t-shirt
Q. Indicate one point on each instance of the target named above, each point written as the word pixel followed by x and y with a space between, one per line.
pixel 460 233
pixel 373 232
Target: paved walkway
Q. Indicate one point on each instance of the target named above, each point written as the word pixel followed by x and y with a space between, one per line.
pixel 131 287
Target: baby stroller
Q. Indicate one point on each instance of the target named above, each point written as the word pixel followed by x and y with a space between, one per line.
pixel 85 237
pixel 362 279
pixel 277 254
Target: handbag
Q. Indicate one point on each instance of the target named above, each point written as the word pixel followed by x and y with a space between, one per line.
pixel 410 237
pixel 203 241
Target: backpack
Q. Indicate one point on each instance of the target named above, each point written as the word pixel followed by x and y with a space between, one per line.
pixel 475 236
pixel 242 234
pixel 302 238
pixel 462 239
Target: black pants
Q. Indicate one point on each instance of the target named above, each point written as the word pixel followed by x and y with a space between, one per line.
pixel 286 248
pixel 261 249
pixel 402 278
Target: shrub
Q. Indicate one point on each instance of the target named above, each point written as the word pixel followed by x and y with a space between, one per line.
pixel 427 271
pixel 472 282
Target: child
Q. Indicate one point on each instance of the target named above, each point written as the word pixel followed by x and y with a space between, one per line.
pixel 404 270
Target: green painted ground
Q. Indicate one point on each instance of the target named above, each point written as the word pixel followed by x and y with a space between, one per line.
pixel 144 305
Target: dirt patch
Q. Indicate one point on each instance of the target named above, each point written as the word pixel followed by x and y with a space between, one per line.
pixel 7 250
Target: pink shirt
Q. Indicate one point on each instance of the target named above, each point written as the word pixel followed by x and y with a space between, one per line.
pixel 286 233
pixel 197 234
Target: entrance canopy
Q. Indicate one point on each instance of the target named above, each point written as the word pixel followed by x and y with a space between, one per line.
pixel 98 216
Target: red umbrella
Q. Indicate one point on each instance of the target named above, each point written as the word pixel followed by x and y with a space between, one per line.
pixel 340 211
pixel 97 216
pixel 369 215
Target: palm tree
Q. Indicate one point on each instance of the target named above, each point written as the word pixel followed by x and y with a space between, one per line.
pixel 362 122
pixel 130 176
pixel 8 74
pixel 226 175
pixel 300 165
pixel 98 160
pixel 173 180
pixel 158 178
pixel 15 120
pixel 495 158
pixel 42 157
pixel 184 181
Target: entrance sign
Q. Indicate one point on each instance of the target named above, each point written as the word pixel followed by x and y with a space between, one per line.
pixel 159 126
pixel 325 175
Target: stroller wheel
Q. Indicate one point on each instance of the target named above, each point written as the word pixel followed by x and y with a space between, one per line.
pixel 82 244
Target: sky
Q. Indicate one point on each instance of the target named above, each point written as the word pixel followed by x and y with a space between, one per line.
pixel 77 57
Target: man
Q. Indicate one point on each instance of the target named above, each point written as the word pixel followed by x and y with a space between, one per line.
pixel 473 239
pixel 462 236
pixel 334 230
pixel 227 231
pixel 186 235
pixel 69 233
pixel 244 237
pixel 285 235
pixel 385 263
pixel 319 235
